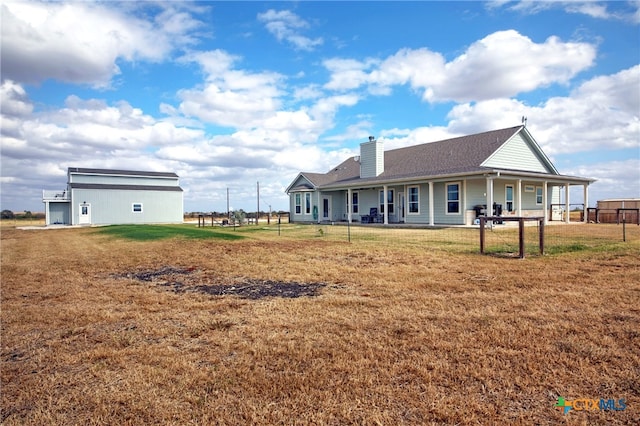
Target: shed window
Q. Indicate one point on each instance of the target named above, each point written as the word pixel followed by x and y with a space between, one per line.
pixel 453 198
pixel 137 207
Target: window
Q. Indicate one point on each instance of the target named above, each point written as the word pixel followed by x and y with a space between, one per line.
pixel 414 199
pixel 453 198
pixel 539 195
pixel 137 207
pixel 307 203
pixel 298 202
pixel 354 202
pixel 508 197
pixel 389 201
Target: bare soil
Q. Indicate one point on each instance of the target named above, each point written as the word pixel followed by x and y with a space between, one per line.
pixel 181 280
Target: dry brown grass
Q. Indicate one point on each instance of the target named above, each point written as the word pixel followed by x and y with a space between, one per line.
pixel 400 335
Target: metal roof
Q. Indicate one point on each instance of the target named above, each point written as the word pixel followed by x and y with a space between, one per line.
pixel 121 172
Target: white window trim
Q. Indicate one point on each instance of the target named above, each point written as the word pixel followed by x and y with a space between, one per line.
pixel 541 195
pixel 354 205
pixel 305 212
pixel 446 198
pixel 297 202
pixel 389 204
pixel 133 208
pixel 409 212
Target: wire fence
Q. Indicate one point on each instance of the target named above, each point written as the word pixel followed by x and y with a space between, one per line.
pixel 500 239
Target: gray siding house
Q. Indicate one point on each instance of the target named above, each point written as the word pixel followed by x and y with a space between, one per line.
pixel 448 182
pixel 107 197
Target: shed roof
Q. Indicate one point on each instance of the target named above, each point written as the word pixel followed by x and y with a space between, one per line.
pixel 121 172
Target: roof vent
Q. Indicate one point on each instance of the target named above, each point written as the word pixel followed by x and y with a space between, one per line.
pixel 356 158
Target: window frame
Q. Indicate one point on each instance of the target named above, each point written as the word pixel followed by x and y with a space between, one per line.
pixel 307 203
pixel 457 200
pixel 355 205
pixel 297 202
pixel 133 208
pixel 541 195
pixel 390 201
pixel 416 202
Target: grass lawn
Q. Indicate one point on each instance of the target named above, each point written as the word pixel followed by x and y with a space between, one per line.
pixel 181 325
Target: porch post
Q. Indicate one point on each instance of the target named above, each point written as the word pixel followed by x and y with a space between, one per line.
pixel 319 207
pixel 349 199
pixel 545 206
pixel 489 211
pixel 386 205
pixel 585 216
pixel 464 202
pixel 431 221
pixel 566 203
pixel 519 205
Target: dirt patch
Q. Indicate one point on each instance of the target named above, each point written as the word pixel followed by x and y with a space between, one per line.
pixel 183 280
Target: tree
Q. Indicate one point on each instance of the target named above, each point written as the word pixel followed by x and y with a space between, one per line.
pixel 7 214
pixel 238 216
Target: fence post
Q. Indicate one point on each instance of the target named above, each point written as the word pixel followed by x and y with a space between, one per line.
pixel 521 236
pixel 482 222
pixel 542 236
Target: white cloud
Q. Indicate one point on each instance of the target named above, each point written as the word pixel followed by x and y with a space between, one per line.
pixel 286 25
pixel 602 112
pixel 615 179
pixel 81 42
pixel 503 64
pixel 627 11
pixel 506 63
pixel 230 97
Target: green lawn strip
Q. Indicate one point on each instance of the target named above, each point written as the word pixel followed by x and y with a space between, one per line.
pixel 157 232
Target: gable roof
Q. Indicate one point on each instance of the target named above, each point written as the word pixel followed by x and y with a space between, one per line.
pixel 472 154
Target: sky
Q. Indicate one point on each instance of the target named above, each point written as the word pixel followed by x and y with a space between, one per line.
pixel 232 95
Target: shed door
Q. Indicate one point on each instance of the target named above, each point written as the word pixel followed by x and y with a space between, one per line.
pixel 85 214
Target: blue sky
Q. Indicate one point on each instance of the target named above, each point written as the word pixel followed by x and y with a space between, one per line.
pixel 228 94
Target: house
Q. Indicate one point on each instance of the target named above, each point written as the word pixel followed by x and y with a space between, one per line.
pixel 103 196
pixel 449 182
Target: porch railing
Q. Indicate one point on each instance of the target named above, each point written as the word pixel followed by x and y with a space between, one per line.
pixel 62 195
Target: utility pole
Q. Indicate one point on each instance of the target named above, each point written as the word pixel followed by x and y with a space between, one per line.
pixel 258 211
